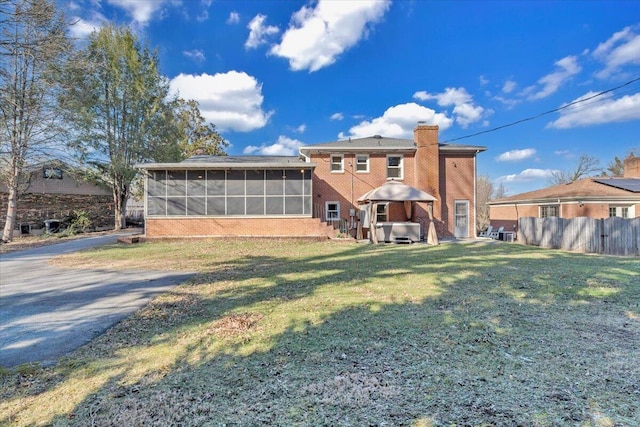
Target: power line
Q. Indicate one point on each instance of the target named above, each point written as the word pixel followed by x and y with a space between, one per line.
pixel 555 110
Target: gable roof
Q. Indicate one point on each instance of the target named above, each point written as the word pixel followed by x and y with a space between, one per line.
pixel 583 189
pixel 377 142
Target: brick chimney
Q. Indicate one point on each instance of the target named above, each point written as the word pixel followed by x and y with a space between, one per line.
pixel 632 167
pixel 427 166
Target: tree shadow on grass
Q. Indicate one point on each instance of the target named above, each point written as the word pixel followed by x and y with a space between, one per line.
pixel 378 335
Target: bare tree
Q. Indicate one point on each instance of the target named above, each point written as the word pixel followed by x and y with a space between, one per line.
pixel 33 45
pixel 484 192
pixel 587 165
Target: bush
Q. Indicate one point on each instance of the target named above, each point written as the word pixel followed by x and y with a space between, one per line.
pixel 77 222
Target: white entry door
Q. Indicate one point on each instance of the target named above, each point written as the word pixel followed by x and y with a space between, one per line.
pixel 461 227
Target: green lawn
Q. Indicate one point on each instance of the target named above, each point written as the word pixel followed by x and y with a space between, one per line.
pixel 295 333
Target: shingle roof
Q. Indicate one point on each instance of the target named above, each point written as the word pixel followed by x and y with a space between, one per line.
pixel 380 142
pixel 212 162
pixel 587 188
pixel 243 159
pixel 368 143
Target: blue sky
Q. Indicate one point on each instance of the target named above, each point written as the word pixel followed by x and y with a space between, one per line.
pixel 273 75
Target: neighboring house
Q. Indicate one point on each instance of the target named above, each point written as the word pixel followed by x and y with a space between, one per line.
pixel 298 196
pixel 597 197
pixel 51 193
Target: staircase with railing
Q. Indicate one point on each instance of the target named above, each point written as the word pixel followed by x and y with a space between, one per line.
pixel 336 227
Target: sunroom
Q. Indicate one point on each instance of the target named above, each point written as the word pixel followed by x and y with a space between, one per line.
pixel 228 196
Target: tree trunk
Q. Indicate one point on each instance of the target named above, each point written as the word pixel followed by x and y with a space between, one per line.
pixel 12 209
pixel 120 197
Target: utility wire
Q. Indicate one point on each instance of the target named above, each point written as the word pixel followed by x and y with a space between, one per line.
pixel 545 113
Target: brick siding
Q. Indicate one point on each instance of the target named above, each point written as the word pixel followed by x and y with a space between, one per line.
pixel 241 227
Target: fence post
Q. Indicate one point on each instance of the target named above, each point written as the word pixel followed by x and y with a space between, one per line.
pixel 602 235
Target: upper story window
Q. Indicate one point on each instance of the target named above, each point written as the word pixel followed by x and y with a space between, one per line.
pixel 394 167
pixel 619 211
pixel 549 211
pixel 362 163
pixel 337 163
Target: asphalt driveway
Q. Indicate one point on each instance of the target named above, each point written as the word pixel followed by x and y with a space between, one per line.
pixel 46 312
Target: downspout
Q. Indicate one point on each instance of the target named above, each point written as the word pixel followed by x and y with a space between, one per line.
pixel 352 208
pixel 475 195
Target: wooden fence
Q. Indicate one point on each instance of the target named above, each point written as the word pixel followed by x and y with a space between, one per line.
pixel 611 236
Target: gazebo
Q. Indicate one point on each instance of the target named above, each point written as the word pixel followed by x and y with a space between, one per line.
pixel 394 191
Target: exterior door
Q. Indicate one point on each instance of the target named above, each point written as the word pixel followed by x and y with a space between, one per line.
pixel 461 228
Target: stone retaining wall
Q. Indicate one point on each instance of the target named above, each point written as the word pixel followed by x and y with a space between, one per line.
pixel 34 209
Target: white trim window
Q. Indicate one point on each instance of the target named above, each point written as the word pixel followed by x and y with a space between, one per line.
pixel 382 212
pixel 620 211
pixel 547 211
pixel 362 163
pixel 332 210
pixel 336 163
pixel 394 166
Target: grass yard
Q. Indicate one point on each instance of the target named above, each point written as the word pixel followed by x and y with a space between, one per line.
pixel 295 333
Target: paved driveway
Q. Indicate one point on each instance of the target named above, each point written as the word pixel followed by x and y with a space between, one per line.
pixel 46 312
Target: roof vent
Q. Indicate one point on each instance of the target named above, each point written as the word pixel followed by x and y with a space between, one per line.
pixel 377 136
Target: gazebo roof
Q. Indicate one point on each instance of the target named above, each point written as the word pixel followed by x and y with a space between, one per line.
pixel 394 191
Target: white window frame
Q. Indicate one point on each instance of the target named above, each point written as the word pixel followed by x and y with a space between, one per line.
pixel 400 167
pixel 544 208
pixel 621 211
pixel 332 214
pixel 382 212
pixel 366 163
pixel 332 163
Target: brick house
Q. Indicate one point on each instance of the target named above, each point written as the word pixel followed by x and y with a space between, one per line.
pixel 52 191
pixel 299 196
pixel 596 197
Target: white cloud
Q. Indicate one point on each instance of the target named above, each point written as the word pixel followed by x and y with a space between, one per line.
pixel 509 86
pixel 231 101
pixel 527 175
pixel 484 81
pixel 258 32
pixel 285 146
pixel 140 10
pixel 81 29
pixel 464 110
pixel 510 103
pixel 337 116
pixel 621 49
pixel 603 109
pixel 317 36
pixel 516 155
pixel 195 54
pixel 301 128
pixel 567 68
pixel 450 96
pixel 234 18
pixel 398 122
pixel 565 153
